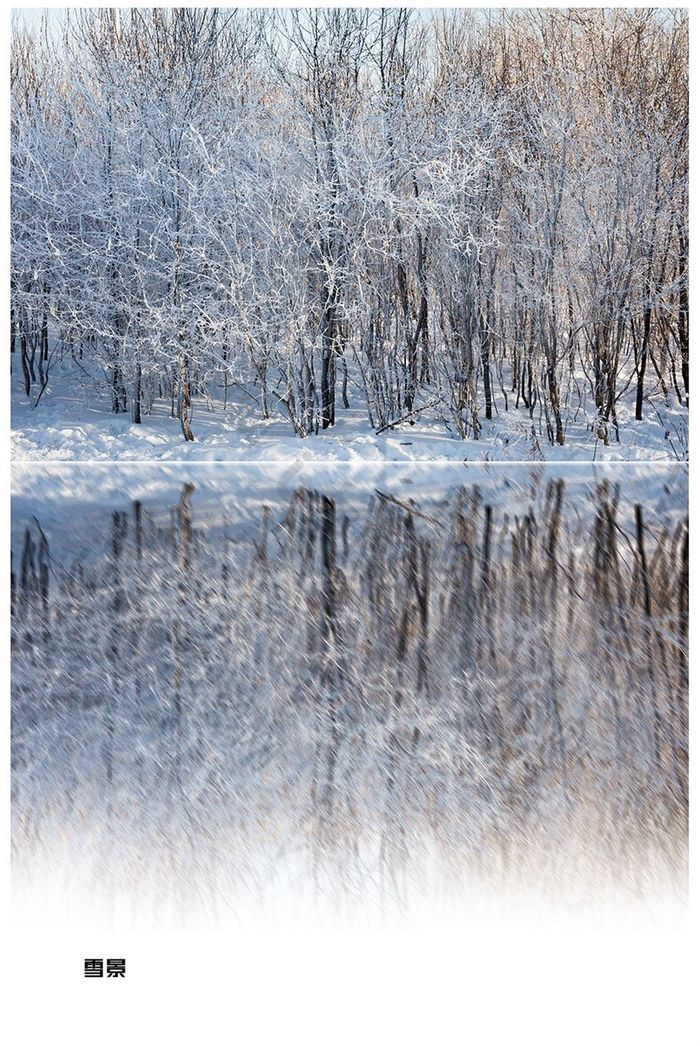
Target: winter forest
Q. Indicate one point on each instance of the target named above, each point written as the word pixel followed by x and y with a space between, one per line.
pixel 349 586
pixel 451 233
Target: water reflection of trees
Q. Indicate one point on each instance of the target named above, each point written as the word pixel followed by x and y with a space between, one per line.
pixel 450 684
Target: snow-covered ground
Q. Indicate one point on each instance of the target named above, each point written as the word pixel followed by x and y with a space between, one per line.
pixel 73 423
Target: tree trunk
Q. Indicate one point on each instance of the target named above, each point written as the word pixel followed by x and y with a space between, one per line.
pixel 185 398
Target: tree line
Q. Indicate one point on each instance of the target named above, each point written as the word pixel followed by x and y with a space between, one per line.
pixel 448 215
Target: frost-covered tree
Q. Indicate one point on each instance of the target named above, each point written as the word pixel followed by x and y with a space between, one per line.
pixel 447 215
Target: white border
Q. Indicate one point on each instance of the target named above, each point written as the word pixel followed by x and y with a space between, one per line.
pixel 502 985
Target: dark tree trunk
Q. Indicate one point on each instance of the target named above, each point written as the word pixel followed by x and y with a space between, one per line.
pixel 683 317
pixel 328 360
pixel 485 365
pixel 642 365
pixel 137 396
